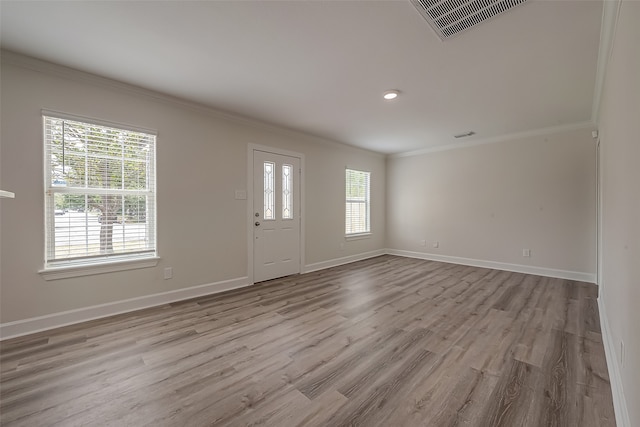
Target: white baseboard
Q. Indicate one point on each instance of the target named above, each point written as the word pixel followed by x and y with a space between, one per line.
pixel 518 268
pixel 344 260
pixel 56 320
pixel 615 377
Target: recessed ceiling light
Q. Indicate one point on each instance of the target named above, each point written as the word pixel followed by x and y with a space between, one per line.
pixel 390 94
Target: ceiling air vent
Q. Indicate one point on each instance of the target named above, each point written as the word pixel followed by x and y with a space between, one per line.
pixel 464 135
pixel 450 17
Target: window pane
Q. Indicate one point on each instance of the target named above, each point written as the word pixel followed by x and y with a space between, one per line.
pixel 104 173
pixel 135 174
pixel 269 190
pixel 287 192
pixel 91 225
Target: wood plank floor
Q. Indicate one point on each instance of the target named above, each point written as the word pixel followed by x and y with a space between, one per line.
pixel 388 341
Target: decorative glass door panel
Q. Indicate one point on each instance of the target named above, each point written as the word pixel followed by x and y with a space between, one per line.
pixel 269 190
pixel 287 192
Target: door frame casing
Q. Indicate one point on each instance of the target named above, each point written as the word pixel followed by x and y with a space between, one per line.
pixel 599 219
pixel 250 219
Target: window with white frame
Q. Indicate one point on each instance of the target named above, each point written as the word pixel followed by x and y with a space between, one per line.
pixel 357 202
pixel 100 203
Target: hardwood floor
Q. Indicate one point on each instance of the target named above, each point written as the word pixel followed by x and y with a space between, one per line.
pixel 388 341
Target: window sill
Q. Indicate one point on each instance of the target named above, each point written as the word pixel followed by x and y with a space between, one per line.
pixel 67 271
pixel 358 236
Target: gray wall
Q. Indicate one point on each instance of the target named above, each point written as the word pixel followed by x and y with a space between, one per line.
pixel 489 202
pixel 201 161
pixel 620 178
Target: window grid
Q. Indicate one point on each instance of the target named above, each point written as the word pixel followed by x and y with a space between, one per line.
pixel 99 192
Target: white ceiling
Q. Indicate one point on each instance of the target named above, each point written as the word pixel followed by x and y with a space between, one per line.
pixel 321 66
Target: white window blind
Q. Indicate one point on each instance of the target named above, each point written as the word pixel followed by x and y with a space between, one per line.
pixel 357 202
pixel 100 202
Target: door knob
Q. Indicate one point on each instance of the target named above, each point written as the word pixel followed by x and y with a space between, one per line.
pixel 257 223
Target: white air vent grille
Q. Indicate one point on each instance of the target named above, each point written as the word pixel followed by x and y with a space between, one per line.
pixel 449 17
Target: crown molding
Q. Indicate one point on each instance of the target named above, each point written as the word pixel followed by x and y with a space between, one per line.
pixel 610 16
pixel 39 65
pixel 500 138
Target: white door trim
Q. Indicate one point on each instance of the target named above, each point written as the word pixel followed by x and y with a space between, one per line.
pixel 599 254
pixel 250 219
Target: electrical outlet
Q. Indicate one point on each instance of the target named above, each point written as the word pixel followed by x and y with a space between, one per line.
pixel 423 242
pixel 168 273
pixel 526 252
pixel 341 246
pixel 436 244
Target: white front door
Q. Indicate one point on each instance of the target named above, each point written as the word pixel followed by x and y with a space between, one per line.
pixel 276 215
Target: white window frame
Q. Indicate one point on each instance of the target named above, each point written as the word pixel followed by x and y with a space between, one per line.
pixel 98 264
pixel 367 203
